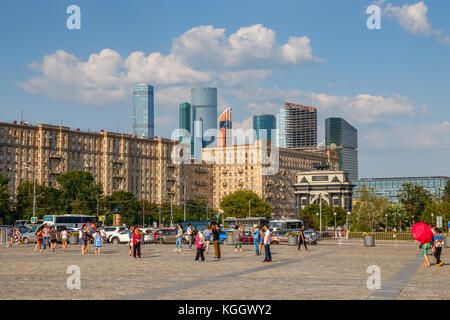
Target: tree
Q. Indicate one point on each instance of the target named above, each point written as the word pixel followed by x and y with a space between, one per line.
pixel 397 216
pixel 4 199
pixel 311 216
pixel 80 192
pixel 414 198
pixel 369 212
pixel 129 205
pixel 236 204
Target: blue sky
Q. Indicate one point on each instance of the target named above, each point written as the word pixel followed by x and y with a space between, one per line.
pixel 392 84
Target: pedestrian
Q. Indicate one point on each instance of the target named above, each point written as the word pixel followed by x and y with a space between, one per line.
pixel 98 242
pixel 130 240
pixel 200 246
pixel 261 238
pixel 193 233
pixel 17 236
pixel 207 237
pixel 84 239
pixel 426 248
pixel 256 239
pixel 267 244
pixel 438 241
pixel 53 238
pixel 237 238
pixel 11 232
pixel 136 239
pixel 189 235
pixel 46 236
pixel 179 241
pixel 301 238
pixel 64 235
pixel 39 236
pixel 216 241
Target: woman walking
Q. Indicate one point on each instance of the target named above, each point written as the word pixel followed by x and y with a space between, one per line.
pixel 426 248
pixel 301 238
pixel 53 238
pixel 179 241
pixel 84 240
pixel 130 241
pixel 98 242
pixel 438 241
pixel 207 237
pixel 256 239
pixel 261 239
pixel 237 237
pixel 39 236
pixel 199 246
pixel 64 236
pixel 136 239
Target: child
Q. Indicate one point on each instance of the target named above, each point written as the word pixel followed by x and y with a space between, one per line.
pixel 98 242
pixel 39 236
pixel 199 245
pixel 438 241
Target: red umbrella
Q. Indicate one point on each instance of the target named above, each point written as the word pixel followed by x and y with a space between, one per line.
pixel 422 232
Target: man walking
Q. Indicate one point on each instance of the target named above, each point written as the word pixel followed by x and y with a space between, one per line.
pixel 301 238
pixel 216 241
pixel 256 236
pixel 189 235
pixel 46 236
pixel 267 244
pixel 11 236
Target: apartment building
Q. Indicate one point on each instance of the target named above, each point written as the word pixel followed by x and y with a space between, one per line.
pixel 271 173
pixel 117 161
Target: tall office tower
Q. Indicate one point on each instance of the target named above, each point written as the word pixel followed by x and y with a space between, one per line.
pixel 345 137
pixel 263 124
pixel 281 129
pixel 225 126
pixel 301 126
pixel 185 116
pixel 143 110
pixel 204 118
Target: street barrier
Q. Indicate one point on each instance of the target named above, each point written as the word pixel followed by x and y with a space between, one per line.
pixel 357 238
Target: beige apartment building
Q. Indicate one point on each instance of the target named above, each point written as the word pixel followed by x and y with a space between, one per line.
pixel 271 173
pixel 117 161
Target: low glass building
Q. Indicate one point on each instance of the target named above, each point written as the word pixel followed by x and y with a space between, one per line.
pixel 389 188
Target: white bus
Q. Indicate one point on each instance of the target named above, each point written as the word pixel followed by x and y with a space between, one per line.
pixel 73 221
pixel 285 225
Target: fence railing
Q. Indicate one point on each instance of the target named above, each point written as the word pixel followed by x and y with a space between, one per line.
pixel 4 236
pixel 357 238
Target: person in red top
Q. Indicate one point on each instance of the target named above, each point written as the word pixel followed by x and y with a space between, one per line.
pixel 136 238
pixel 199 246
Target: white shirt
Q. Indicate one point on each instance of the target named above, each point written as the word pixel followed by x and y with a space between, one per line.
pixel 64 234
pixel 188 231
pixel 267 237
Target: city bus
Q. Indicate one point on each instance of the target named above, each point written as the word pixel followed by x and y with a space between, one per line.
pixel 285 225
pixel 69 220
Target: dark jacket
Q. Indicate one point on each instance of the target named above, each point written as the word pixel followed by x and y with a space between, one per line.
pixel 216 234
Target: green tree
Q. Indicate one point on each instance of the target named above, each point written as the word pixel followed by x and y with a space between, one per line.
pixel 128 204
pixel 236 204
pixel 49 201
pixel 397 216
pixel 311 216
pixel 414 198
pixel 79 192
pixel 4 199
pixel 369 212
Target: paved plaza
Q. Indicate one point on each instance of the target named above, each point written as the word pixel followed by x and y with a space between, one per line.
pixel 324 272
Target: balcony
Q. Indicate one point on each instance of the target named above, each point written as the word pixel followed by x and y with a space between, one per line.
pixel 55 156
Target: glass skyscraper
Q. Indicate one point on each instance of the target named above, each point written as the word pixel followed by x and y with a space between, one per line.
pixel 143 110
pixel 281 128
pixel 345 137
pixel 263 124
pixel 204 117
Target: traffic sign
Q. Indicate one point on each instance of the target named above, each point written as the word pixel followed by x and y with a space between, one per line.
pixel 33 220
pixel 217 216
pixel 101 218
pixel 439 221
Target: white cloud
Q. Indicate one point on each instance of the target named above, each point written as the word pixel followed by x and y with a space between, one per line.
pixel 411 18
pixel 202 55
pixel 362 108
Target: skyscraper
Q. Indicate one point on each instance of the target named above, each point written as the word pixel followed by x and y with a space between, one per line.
pixel 281 128
pixel 225 126
pixel 185 116
pixel 204 118
pixel 345 137
pixel 299 126
pixel 263 124
pixel 143 110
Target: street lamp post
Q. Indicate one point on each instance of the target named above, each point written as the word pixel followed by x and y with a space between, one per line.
pixel 432 219
pixel 334 223
pixel 385 229
pixel 320 205
pixel 346 220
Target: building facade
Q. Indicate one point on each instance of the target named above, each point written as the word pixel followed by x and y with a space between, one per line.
pixel 263 124
pixel 300 126
pixel 143 110
pixel 224 137
pixel 204 118
pixel 281 128
pixel 270 173
pixel 345 137
pixel 390 188
pixel 331 187
pixel 117 161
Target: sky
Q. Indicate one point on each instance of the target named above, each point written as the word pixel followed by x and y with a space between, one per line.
pixel 392 83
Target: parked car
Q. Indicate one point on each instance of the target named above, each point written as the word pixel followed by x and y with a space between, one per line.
pixel 159 233
pixel 124 237
pixel 277 238
pixel 168 236
pixel 110 231
pixel 223 236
